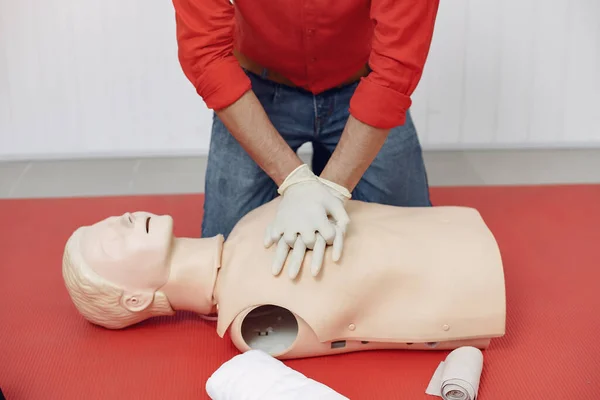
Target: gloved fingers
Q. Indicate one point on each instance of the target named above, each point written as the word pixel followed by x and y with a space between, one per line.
pixel 338 213
pixel 338 244
pixel 327 231
pixel 269 240
pixel 281 254
pixel 296 258
pixel 290 237
pixel 275 231
pixel 318 255
pixel 309 237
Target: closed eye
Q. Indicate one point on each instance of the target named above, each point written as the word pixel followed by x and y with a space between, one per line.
pixel 148 225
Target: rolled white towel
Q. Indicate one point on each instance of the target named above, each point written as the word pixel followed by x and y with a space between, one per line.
pixel 256 375
pixel 457 378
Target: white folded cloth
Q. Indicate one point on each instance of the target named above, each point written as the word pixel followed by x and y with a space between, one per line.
pixel 256 375
pixel 457 378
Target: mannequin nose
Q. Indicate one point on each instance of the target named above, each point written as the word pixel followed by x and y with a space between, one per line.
pixel 128 219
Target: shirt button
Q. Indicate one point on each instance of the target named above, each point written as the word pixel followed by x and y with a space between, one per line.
pixel 311 31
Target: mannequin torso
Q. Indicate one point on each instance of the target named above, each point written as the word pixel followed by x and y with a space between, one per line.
pixel 409 278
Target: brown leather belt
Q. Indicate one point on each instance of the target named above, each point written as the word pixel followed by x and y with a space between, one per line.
pixel 276 77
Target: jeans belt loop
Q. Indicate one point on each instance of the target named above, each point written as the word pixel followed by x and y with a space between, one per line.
pixel 264 73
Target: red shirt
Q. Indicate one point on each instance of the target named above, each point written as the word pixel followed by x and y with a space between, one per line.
pixel 317 44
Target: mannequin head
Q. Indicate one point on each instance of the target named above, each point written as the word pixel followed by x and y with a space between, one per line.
pixel 114 269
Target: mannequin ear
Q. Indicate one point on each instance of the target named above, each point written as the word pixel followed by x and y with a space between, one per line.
pixel 137 301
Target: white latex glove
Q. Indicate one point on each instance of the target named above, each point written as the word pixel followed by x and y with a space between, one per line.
pixel 303 221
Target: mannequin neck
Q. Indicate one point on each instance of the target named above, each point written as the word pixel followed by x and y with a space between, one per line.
pixel 194 268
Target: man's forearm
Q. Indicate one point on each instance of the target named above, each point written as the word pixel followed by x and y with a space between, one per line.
pixel 354 153
pixel 248 122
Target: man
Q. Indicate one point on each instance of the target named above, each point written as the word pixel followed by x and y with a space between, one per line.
pixel 281 73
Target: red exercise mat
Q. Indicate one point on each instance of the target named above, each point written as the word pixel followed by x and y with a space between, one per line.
pixel 549 238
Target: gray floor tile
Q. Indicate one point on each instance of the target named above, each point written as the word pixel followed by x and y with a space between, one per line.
pixel 446 168
pixel 170 175
pixel 536 167
pixel 171 165
pixel 76 178
pixel 183 181
pixel 10 173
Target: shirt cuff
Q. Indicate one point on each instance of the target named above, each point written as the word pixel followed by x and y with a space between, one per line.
pixel 379 106
pixel 222 84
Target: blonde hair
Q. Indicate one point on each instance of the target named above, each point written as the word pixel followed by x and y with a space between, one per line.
pixel 97 299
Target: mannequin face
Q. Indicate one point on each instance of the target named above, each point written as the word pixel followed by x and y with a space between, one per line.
pixel 131 251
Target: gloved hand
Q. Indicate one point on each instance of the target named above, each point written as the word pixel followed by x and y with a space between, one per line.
pixel 303 221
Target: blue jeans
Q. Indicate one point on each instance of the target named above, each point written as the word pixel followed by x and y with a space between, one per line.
pixel 235 184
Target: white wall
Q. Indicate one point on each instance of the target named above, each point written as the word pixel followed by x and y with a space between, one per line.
pixel 85 78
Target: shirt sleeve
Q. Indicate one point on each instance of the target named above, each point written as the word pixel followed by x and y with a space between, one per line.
pixel 401 41
pixel 204 31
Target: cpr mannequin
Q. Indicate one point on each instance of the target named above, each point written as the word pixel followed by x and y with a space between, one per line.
pixel 409 278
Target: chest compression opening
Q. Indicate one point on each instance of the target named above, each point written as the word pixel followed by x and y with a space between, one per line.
pixel 269 328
